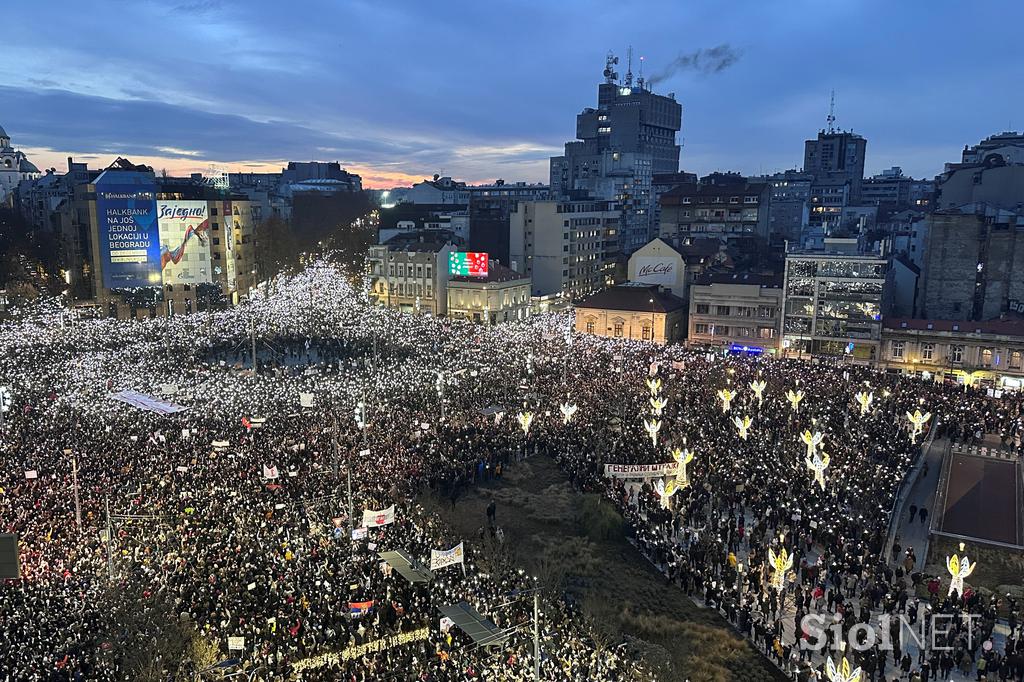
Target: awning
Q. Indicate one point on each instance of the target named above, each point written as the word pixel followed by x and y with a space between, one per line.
pixel 407 567
pixel 482 631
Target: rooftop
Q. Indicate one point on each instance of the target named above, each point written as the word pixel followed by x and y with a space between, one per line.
pixel 633 298
pixel 496 273
pixel 1000 327
pixel 773 281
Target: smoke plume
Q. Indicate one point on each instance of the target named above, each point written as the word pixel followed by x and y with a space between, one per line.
pixel 706 61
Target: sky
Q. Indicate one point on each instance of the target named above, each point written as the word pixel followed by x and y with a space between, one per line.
pixel 398 90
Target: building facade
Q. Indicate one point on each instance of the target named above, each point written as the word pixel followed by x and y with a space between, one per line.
pixel 973 263
pixel 633 311
pixel 14 168
pixel 834 300
pixel 410 273
pixel 739 312
pixel 987 353
pixel 837 155
pixel 659 263
pixel 565 247
pixel 723 205
pixel 502 296
pixel 619 146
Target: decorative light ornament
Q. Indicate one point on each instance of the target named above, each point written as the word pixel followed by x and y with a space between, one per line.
pixel 794 398
pixel 818 464
pixel 865 400
pixel 812 441
pixel 843 673
pixel 959 568
pixel 743 425
pixel 780 563
pixel 726 396
pixel 918 420
pixel 658 404
pixel 568 410
pixel 525 419
pixel 652 427
pixel 681 480
pixel 758 387
pixel 654 385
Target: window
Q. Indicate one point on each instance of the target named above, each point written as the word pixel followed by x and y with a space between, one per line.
pixel 722 310
pixel 745 311
pixel 1015 359
pixel 927 351
pixel 765 333
pixel 646 333
pixel 590 326
pixel 956 354
pixel 986 357
pixel 896 348
pixel 700 328
pixel 720 330
pixel 765 312
pixel 618 329
pixel 702 308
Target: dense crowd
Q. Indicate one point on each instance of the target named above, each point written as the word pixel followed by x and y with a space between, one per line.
pixel 250 538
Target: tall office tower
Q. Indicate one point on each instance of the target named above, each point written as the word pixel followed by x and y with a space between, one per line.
pixel 619 146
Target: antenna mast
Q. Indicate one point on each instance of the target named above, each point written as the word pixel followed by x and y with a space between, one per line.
pixel 609 68
pixel 640 80
pixel 831 120
pixel 629 67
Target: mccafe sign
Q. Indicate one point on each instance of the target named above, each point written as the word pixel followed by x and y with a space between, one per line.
pixel 656 271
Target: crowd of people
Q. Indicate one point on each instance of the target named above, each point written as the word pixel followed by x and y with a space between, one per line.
pixel 153 542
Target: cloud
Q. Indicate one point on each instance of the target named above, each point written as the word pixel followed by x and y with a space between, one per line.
pixel 705 61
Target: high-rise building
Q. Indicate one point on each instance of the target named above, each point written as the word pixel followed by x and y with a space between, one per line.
pixel 837 155
pixel 619 146
pixel 566 248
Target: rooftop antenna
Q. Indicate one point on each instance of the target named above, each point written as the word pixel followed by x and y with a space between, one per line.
pixel 640 80
pixel 629 67
pixel 609 68
pixel 831 120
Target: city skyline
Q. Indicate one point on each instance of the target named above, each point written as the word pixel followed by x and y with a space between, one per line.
pixel 211 82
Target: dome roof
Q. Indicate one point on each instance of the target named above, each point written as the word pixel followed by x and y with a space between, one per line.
pixel 3 133
pixel 27 166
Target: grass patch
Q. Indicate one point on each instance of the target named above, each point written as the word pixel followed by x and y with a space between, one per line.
pixel 998 570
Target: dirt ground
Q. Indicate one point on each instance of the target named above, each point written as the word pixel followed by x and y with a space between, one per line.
pixel 546 526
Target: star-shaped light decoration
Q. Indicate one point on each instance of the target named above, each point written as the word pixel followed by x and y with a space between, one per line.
pixel 743 425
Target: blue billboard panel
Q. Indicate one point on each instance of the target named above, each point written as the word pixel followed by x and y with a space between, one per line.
pixel 129 236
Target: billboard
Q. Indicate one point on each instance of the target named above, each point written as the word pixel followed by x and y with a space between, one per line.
pixel 654 270
pixel 128 238
pixel 467 263
pixel 184 242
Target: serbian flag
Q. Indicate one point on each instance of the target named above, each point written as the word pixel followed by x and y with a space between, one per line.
pixel 358 609
pixel 269 472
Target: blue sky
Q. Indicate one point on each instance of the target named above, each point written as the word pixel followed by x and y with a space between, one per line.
pixel 478 90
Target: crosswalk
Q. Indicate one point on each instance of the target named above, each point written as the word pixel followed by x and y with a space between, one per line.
pixel 984 451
